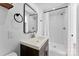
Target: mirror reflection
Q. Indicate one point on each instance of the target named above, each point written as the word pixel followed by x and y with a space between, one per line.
pixel 30 19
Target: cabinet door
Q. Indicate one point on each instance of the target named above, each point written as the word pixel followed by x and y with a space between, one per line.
pixel 27 51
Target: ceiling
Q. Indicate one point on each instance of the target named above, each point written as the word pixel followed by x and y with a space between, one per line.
pixel 48 6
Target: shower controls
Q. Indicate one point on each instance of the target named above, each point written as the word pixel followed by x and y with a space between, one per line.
pixel 71 35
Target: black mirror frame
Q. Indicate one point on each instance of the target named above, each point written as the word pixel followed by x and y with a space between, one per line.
pixel 24 24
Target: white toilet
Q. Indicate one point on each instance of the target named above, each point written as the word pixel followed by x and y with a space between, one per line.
pixel 12 54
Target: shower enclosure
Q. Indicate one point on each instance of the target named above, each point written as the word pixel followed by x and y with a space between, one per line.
pixel 58 32
pixel 59 24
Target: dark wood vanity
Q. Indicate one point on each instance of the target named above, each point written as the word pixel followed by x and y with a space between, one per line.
pixel 28 51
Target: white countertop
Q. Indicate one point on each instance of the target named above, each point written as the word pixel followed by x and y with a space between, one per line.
pixel 35 43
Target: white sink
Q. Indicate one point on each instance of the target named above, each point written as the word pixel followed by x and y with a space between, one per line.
pixel 35 43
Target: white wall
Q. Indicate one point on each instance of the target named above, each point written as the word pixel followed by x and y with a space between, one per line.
pixel 16 29
pixel 11 32
pixel 3 31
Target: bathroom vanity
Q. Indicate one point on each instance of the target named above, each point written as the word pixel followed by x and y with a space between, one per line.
pixel 34 47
